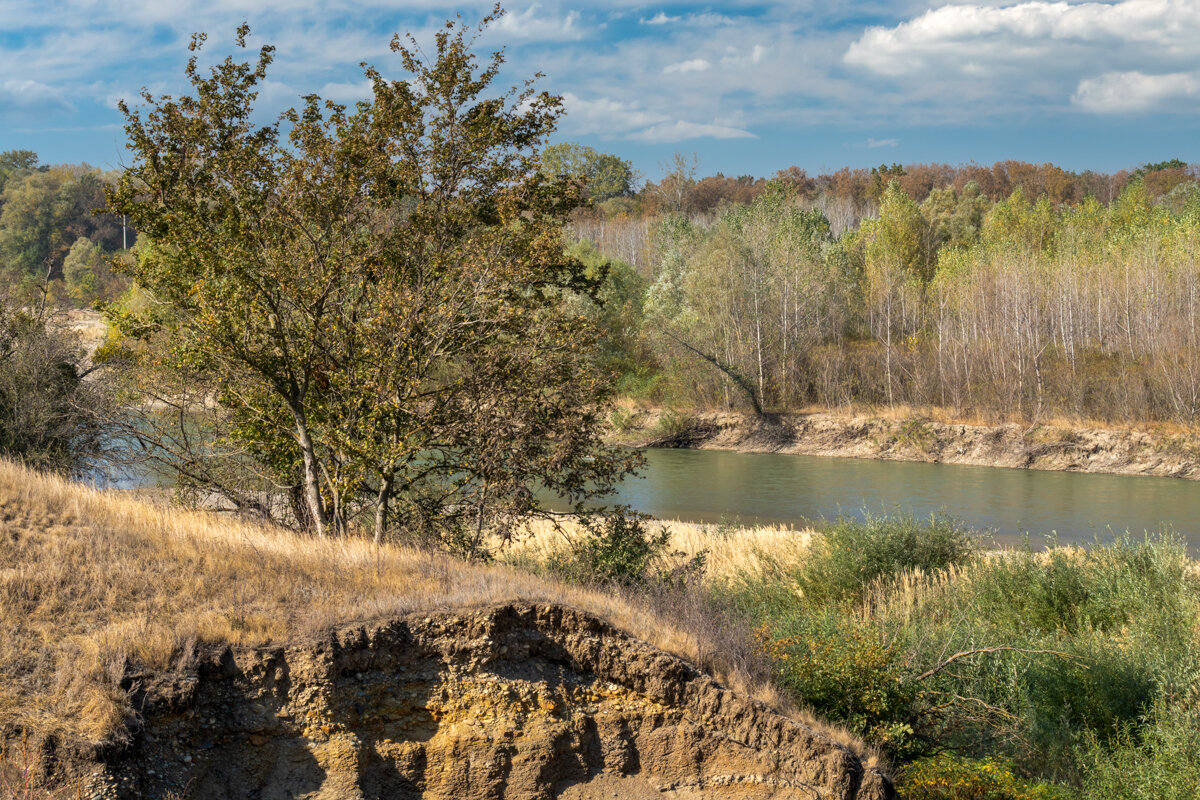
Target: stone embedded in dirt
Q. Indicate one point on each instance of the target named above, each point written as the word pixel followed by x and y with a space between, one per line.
pixel 516 701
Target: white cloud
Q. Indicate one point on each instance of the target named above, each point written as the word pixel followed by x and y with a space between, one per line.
pixel 531 25
pixel 660 18
pixel 691 65
pixel 679 130
pixel 1126 92
pixel 990 58
pixel 971 38
pixel 607 117
pixel 873 143
pixel 32 97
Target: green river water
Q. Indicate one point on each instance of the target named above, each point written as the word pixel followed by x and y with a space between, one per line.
pixel 715 486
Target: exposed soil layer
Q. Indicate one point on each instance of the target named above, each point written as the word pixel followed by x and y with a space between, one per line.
pixel 1122 452
pixel 515 701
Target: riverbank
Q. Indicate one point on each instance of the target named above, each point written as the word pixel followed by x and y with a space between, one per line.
pixel 1056 447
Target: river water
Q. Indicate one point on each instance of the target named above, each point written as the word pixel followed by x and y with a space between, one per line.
pixel 748 488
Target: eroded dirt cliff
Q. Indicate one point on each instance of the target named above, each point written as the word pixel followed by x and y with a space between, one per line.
pixel 514 701
pixel 1042 447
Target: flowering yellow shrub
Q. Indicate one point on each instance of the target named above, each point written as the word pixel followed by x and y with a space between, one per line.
pixel 948 777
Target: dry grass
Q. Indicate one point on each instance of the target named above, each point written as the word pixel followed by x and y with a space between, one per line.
pixel 728 552
pixel 94 582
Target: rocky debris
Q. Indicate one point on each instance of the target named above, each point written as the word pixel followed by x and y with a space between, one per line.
pixel 515 701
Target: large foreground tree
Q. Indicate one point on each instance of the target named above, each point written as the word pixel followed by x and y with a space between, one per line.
pixel 375 296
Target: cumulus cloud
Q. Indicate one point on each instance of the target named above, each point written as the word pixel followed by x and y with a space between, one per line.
pixel 1125 92
pixel 660 18
pixel 1005 57
pixel 531 24
pixel 606 116
pixel 28 97
pixel 615 119
pixel 964 37
pixel 679 130
pixel 691 65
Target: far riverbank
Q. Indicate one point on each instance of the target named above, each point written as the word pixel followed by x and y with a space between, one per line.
pixel 1056 446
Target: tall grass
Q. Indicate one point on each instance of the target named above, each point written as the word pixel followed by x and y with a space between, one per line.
pixel 1064 666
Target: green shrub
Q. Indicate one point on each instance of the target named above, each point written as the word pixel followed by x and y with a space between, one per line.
pixel 950 777
pixel 1055 655
pixel 849 673
pixel 1102 588
pixel 853 554
pixel 617 548
pixel 673 424
pixel 621 420
pixel 1159 759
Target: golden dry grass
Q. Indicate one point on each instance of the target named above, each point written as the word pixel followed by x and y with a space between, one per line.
pixel 94 582
pixel 728 552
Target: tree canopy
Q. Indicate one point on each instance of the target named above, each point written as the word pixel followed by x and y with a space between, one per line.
pixel 374 295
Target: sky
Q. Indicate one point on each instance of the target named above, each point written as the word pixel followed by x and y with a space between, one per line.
pixel 748 87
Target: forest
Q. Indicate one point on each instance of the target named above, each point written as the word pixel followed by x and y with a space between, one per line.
pixel 1010 292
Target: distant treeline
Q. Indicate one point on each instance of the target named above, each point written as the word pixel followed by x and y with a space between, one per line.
pixel 1011 292
pixel 54 231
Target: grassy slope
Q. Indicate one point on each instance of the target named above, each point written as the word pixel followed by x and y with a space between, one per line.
pixel 91 581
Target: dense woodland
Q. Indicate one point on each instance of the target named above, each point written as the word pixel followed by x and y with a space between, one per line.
pixel 1016 291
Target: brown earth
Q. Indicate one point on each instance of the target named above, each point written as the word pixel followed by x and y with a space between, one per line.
pixel 515 701
pixel 1044 447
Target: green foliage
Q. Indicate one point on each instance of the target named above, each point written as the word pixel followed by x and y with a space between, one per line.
pixel 849 673
pixel 617 547
pixel 851 555
pixel 1022 226
pixel 1173 163
pixel 87 275
pixel 602 175
pixel 1158 758
pixel 1062 666
pixel 396 335
pixel 14 163
pixel 615 308
pixel 45 212
pixel 674 424
pixel 950 777
pixel 899 239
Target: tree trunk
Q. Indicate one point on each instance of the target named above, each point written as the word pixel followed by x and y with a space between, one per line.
pixel 381 506
pixel 312 488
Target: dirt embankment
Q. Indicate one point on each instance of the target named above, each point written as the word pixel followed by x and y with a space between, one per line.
pixel 516 701
pixel 1045 447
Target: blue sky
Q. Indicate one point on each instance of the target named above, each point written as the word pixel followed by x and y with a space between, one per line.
pixel 751 87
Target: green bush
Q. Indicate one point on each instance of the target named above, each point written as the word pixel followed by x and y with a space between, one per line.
pixel 850 673
pixel 853 554
pixel 1051 661
pixel 1159 759
pixel 673 424
pixel 617 548
pixel 1104 587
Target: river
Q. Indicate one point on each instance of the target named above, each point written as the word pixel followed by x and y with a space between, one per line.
pixel 748 488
